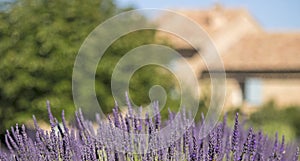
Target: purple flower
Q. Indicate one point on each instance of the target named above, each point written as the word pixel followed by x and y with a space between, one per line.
pixel 296 155
pixel 235 135
pixel 83 143
pixel 116 117
pixel 211 147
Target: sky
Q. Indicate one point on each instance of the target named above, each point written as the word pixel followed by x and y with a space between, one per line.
pixel 273 15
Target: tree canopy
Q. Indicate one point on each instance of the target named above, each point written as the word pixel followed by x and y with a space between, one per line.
pixel 39 40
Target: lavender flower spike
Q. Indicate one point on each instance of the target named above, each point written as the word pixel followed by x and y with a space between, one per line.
pixel 296 155
pixel 235 134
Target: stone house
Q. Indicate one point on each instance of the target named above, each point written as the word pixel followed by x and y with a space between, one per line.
pixel 260 66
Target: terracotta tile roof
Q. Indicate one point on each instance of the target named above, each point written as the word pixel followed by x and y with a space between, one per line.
pixel 213 21
pixel 264 52
pixel 243 45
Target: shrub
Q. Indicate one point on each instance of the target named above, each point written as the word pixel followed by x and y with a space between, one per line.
pixel 284 119
pixel 83 142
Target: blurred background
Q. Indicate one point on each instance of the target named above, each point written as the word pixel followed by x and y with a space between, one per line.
pixel 259 43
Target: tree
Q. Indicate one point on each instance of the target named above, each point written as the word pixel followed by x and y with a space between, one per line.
pixel 39 40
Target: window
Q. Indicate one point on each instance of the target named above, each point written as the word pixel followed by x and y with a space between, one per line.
pixel 253 91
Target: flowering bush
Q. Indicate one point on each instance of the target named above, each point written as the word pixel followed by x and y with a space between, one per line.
pixel 84 143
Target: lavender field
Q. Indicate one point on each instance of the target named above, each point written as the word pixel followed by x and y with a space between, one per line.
pixel 84 142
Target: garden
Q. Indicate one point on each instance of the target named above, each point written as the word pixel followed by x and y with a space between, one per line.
pixel 39 42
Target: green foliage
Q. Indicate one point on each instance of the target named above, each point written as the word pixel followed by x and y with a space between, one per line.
pixel 142 80
pixel 272 119
pixel 39 40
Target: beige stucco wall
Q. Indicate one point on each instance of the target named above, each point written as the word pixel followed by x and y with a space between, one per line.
pixel 233 95
pixel 282 91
